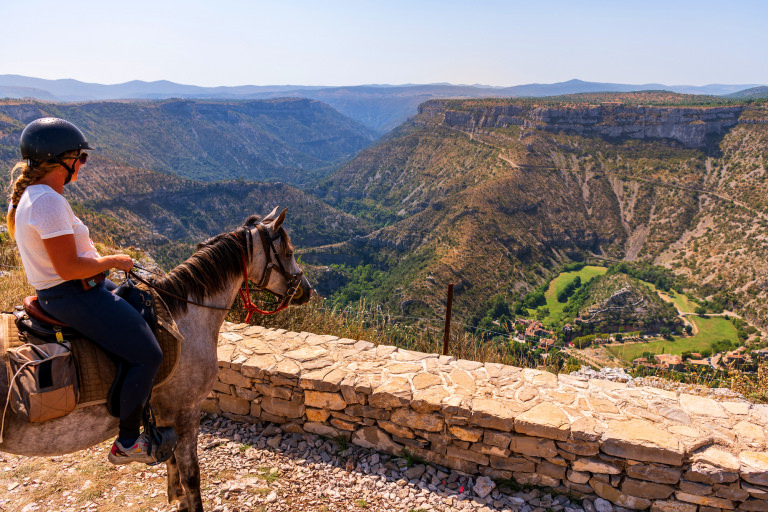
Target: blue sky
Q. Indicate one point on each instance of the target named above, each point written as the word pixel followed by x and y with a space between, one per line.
pixel 346 42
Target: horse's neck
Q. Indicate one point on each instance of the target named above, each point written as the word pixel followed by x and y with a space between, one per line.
pixel 197 319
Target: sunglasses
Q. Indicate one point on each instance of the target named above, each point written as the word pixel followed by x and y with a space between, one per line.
pixel 83 157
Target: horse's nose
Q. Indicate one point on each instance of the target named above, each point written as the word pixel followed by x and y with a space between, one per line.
pixel 305 292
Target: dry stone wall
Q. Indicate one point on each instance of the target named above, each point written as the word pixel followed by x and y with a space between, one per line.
pixel 637 447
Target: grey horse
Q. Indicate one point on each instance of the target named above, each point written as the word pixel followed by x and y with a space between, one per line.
pixel 211 277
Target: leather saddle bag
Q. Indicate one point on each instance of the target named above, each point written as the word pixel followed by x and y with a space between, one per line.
pixel 44 382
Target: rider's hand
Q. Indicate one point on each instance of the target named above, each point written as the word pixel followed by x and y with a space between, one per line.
pixel 122 262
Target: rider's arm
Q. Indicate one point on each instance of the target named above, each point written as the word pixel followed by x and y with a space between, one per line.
pixel 68 265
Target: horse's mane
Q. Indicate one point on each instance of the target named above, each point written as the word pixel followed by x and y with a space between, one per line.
pixel 209 269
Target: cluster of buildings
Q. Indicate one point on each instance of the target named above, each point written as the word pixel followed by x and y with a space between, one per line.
pixel 534 328
pixel 735 358
pixel 529 330
pixel 668 362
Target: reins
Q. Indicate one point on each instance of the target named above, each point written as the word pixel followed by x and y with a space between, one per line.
pixel 293 280
pixel 250 307
pixel 173 295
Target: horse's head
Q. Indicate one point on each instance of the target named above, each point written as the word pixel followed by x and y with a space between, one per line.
pixel 273 261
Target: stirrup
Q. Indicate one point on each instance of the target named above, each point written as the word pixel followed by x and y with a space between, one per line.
pixel 162 440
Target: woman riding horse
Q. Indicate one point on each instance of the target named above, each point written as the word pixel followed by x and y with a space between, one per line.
pixel 69 276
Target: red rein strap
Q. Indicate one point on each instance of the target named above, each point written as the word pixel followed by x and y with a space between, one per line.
pixel 245 295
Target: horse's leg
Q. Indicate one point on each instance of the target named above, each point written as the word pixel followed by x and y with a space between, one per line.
pixel 175 492
pixel 186 460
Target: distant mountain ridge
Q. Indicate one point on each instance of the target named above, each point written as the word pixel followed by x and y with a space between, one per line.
pixel 379 107
pixel 753 93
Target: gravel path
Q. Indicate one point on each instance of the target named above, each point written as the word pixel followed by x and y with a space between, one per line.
pixel 247 467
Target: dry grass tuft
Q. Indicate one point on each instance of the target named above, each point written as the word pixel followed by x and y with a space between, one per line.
pixel 13 284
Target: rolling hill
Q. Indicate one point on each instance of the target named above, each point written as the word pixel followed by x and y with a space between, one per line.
pixel 751 93
pixel 289 140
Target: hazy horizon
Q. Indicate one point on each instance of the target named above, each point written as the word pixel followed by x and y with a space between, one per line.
pixel 388 84
pixel 342 43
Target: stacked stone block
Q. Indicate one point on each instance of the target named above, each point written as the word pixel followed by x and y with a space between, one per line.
pixel 636 447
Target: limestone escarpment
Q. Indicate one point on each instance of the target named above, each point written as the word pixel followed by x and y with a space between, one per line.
pixel 636 447
pixel 690 126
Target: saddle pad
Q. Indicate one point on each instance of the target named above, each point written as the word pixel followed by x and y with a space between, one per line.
pixel 95 369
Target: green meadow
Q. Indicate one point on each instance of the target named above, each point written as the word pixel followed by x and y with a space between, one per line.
pixel 710 330
pixel 560 282
pixel 681 301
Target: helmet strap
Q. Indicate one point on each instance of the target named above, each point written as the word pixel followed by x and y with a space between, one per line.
pixel 70 171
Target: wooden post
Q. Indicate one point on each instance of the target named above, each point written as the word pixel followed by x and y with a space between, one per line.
pixel 447 336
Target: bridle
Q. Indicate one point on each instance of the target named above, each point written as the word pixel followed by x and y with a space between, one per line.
pixel 293 280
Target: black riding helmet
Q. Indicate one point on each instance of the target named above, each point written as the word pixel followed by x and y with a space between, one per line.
pixel 47 138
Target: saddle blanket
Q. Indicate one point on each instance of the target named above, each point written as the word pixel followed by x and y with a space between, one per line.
pixel 95 369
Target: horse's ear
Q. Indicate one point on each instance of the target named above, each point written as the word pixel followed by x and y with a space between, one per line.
pixel 279 221
pixel 271 215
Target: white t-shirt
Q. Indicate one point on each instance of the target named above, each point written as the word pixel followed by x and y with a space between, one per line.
pixel 44 213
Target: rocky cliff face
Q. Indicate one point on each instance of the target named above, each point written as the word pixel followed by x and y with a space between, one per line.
pixel 690 126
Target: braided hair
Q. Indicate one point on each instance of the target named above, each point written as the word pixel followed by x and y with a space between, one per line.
pixel 30 171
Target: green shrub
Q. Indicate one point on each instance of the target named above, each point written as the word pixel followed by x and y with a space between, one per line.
pixel 574 267
pixel 569 289
pixel 534 299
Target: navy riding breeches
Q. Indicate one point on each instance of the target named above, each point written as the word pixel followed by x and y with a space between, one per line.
pixel 116 327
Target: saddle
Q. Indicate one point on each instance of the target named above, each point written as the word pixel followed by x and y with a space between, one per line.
pixel 99 374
